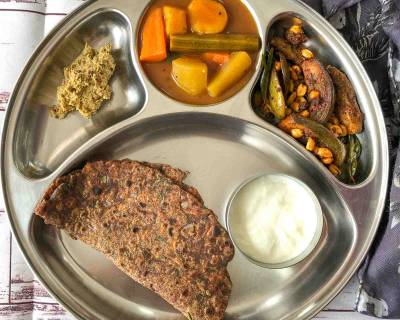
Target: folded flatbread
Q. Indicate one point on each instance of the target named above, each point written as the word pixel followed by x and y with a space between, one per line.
pixel 152 226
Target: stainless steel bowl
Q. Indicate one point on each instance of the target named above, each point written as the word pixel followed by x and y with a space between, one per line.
pixel 221 145
pixel 233 213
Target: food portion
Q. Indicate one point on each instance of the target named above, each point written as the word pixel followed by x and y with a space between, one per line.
pixel 317 79
pixel 194 43
pixel 295 35
pixel 348 111
pixel 190 74
pixel 237 65
pixel 183 42
pixel 175 20
pixel 152 226
pixel 289 51
pixel 86 83
pixel 154 45
pixel 207 16
pixel 266 223
pixel 334 151
pixel 314 103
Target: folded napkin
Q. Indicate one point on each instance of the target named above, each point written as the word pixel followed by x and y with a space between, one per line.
pixel 372 28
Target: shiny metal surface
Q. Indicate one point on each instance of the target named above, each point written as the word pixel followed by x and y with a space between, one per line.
pixel 221 145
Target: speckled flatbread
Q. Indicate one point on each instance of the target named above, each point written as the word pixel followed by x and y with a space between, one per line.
pixel 152 226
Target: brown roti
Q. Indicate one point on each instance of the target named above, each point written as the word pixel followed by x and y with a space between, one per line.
pixel 152 226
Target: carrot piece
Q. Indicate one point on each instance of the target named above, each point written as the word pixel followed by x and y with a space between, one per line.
pixel 175 20
pixel 154 46
pixel 216 57
pixel 207 16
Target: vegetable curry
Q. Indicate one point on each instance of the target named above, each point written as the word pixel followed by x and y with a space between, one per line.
pixel 198 51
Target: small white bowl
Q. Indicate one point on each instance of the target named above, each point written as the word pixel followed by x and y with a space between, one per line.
pixel 302 255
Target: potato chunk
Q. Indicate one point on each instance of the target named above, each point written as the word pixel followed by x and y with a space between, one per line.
pixel 207 16
pixel 175 20
pixel 190 75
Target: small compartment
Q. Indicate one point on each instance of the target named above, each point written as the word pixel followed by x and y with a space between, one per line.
pixel 328 52
pixel 43 142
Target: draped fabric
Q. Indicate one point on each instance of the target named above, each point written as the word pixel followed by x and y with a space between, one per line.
pixel 372 28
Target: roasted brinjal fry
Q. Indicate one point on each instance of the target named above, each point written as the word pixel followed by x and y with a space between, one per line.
pixel 291 52
pixel 319 88
pixel 347 108
pixel 295 35
pixel 318 132
pixel 317 78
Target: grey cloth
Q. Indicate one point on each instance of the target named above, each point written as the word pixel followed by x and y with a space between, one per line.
pixel 372 28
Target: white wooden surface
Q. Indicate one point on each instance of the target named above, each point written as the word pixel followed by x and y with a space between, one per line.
pixel 340 308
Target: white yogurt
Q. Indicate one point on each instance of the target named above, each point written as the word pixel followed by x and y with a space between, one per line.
pixel 274 219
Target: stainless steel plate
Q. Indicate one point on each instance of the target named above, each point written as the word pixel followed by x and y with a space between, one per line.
pixel 221 145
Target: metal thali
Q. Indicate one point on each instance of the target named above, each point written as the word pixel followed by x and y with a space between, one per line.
pixel 221 145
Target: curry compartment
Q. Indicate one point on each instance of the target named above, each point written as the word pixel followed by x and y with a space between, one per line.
pixel 222 35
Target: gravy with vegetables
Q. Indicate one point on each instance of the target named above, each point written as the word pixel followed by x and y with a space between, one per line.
pixel 199 52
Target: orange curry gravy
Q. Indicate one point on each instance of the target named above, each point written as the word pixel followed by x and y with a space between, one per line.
pixel 240 20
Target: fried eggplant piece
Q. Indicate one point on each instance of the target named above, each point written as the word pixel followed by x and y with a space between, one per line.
pixel 317 78
pixel 347 108
pixel 295 35
pixel 140 216
pixel 317 131
pixel 289 51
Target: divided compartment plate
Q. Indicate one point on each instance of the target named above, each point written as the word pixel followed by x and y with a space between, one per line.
pixel 221 145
